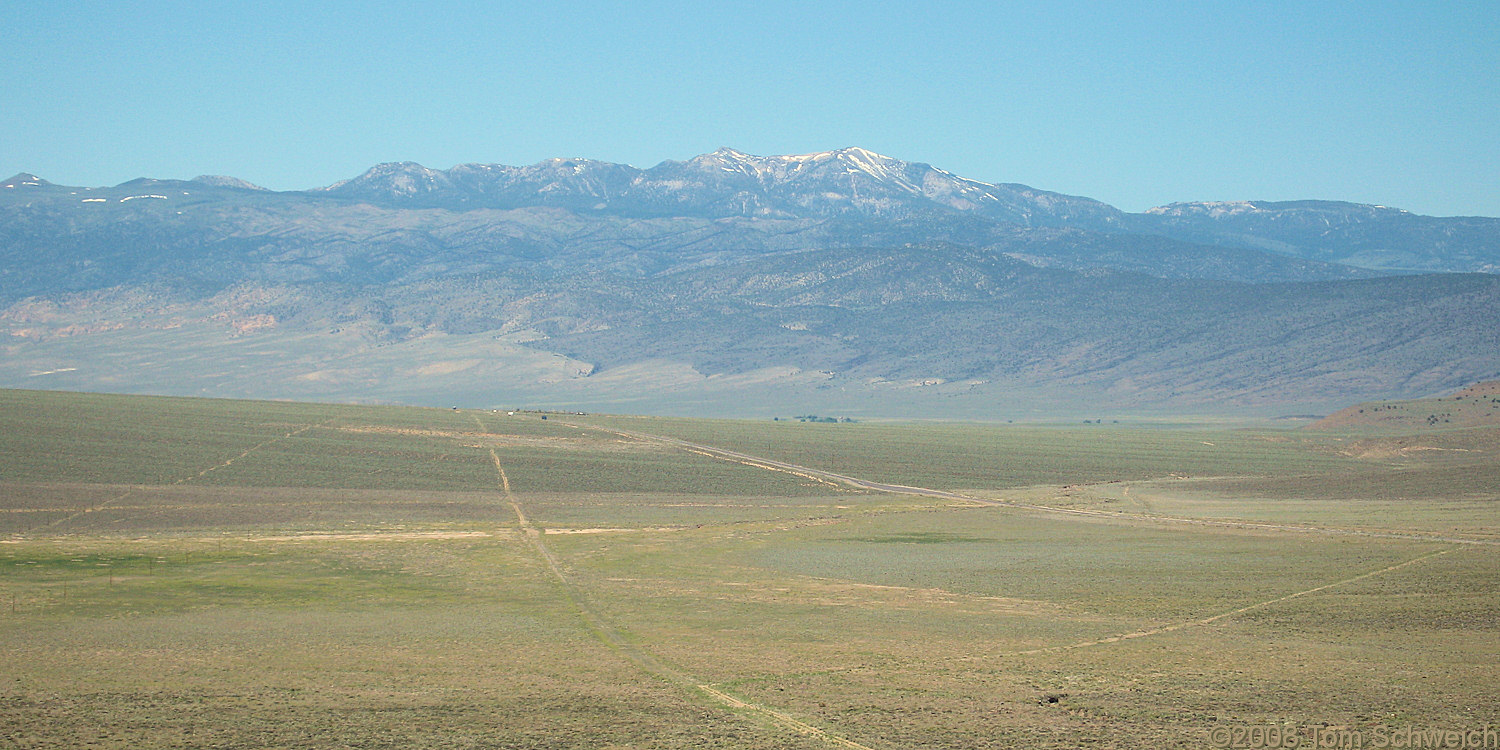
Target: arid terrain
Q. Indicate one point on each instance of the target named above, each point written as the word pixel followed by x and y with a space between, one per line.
pixel 204 573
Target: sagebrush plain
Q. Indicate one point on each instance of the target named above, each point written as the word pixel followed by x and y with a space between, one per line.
pixel 204 573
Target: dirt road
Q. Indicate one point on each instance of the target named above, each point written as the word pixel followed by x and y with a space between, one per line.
pixel 866 484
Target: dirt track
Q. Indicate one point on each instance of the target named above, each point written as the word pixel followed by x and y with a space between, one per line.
pixel 612 637
pixel 183 480
pixel 821 475
pixel 749 460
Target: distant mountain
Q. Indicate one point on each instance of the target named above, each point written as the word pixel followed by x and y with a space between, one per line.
pixel 727 183
pixel 854 181
pixel 935 330
pixel 731 280
pixel 218 180
pixel 867 192
pixel 24 180
pixel 1354 234
pixel 943 314
pixel 404 222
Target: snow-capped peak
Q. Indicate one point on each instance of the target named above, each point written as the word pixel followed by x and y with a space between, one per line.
pixel 725 152
pixel 875 165
pixel 1204 208
pixel 399 168
pixel 219 180
pixel 780 168
pixel 724 182
pixel 401 178
pixel 24 179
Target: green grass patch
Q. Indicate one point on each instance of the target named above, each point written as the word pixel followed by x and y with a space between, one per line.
pixel 963 456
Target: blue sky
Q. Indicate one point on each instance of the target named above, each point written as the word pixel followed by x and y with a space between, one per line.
pixel 1136 104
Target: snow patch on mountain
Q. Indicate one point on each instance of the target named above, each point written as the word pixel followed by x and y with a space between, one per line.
pixel 219 180
pixel 1214 209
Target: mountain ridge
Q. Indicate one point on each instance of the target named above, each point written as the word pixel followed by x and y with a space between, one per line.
pixel 739 184
pixel 859 184
pixel 735 282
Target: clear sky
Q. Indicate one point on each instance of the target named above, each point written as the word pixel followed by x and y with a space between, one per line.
pixel 1136 104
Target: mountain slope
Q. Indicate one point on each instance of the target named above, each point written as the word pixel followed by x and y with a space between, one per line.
pixel 55 238
pixel 738 282
pixel 1374 237
pixel 952 314
pixel 1477 405
pixel 866 192
pixel 926 329
pixel 727 183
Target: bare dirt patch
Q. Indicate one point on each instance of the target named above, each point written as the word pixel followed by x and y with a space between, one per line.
pixel 837 593
pixel 385 536
pixel 485 440
pixel 551 530
pixel 1385 449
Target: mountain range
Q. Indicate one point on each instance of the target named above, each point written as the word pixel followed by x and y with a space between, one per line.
pixel 736 284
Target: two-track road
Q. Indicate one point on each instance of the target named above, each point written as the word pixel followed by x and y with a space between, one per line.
pixel 902 489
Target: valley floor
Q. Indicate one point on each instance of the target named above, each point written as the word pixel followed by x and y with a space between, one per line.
pixel 196 573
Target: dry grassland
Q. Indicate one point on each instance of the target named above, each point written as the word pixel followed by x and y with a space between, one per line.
pixel 181 573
